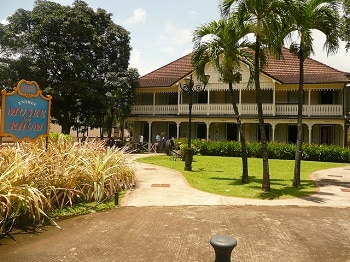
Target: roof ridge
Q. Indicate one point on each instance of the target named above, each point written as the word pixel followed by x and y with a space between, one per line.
pixel 339 71
pixel 317 61
pixel 284 70
pixel 172 62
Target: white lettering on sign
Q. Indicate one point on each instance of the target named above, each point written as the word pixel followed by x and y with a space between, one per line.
pixel 26 102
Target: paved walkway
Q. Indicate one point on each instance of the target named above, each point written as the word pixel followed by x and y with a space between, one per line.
pixel 164 219
pixel 160 186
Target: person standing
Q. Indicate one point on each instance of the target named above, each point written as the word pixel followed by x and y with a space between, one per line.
pixel 141 140
pixel 158 142
pixel 164 139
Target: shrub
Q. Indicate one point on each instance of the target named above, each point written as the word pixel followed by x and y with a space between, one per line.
pixel 36 178
pixel 281 151
pixel 275 150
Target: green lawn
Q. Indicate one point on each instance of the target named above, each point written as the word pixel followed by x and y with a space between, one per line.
pixel 222 175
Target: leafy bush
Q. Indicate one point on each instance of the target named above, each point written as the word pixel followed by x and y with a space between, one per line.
pixel 36 178
pixel 281 151
pixel 275 150
pixel 254 149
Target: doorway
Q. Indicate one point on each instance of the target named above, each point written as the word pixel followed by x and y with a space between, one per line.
pixel 292 134
pixel 326 136
pixel 201 131
pixel 231 132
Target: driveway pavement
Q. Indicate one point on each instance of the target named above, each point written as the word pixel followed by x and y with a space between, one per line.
pixel 164 219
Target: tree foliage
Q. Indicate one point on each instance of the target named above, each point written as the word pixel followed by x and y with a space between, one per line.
pixel 222 44
pixel 69 51
pixel 308 15
pixel 265 19
pixel 346 23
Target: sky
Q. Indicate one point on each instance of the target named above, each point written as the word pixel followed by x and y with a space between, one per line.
pixel 161 30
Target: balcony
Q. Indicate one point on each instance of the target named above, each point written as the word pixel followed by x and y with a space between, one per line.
pixel 244 109
pixel 312 110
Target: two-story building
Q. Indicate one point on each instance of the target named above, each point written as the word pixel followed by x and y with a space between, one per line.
pixel 161 105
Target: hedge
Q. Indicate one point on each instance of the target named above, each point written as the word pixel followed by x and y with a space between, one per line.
pixel 310 152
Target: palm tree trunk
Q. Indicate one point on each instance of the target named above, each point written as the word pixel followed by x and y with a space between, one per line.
pixel 266 174
pixel 245 177
pixel 298 149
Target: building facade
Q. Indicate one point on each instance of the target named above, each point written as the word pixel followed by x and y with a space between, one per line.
pixel 162 107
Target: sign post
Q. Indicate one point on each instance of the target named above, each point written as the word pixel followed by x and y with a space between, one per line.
pixel 25 112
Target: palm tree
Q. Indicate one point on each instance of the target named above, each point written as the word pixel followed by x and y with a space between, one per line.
pixel 264 17
pixel 221 43
pixel 308 15
pixel 346 24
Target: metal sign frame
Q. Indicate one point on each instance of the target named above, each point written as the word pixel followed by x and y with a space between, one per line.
pixel 25 112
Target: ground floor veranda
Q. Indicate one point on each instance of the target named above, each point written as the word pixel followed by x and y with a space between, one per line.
pixel 315 131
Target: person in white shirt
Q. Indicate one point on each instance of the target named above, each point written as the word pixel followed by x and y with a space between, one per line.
pixel 141 140
pixel 158 141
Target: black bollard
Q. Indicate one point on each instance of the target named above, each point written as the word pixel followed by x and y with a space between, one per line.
pixel 116 198
pixel 223 246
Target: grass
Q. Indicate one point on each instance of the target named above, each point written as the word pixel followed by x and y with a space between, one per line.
pixel 85 208
pixel 222 175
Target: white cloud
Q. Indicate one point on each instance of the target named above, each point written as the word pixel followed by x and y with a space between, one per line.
pixel 175 36
pixel 4 21
pixel 139 16
pixel 135 58
pixel 143 66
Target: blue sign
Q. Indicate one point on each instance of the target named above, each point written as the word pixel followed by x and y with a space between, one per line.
pixel 25 112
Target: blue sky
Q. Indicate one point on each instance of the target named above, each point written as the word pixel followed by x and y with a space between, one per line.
pixel 161 30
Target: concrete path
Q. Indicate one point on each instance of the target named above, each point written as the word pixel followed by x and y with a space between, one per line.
pixel 159 186
pixel 164 219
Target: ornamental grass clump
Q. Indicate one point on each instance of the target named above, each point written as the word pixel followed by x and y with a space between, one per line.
pixel 36 178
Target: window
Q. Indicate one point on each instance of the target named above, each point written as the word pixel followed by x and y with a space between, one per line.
pixel 235 97
pixel 172 99
pixel 147 99
pixel 202 97
pixel 293 97
pixel 266 96
pixel 326 135
pixel 329 97
pixel 267 132
pixel 198 97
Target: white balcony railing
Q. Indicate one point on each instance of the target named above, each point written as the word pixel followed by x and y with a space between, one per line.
pixel 312 110
pixel 244 109
pixel 326 110
pixel 142 110
pixel 166 110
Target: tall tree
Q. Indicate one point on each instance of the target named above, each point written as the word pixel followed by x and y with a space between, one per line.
pixel 120 93
pixel 265 19
pixel 346 23
pixel 221 43
pixel 68 50
pixel 308 15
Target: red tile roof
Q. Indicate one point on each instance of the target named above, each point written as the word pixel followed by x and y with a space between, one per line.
pixel 168 74
pixel 285 71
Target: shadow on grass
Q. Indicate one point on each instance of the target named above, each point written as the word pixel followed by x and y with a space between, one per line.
pixel 201 169
pixel 278 188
